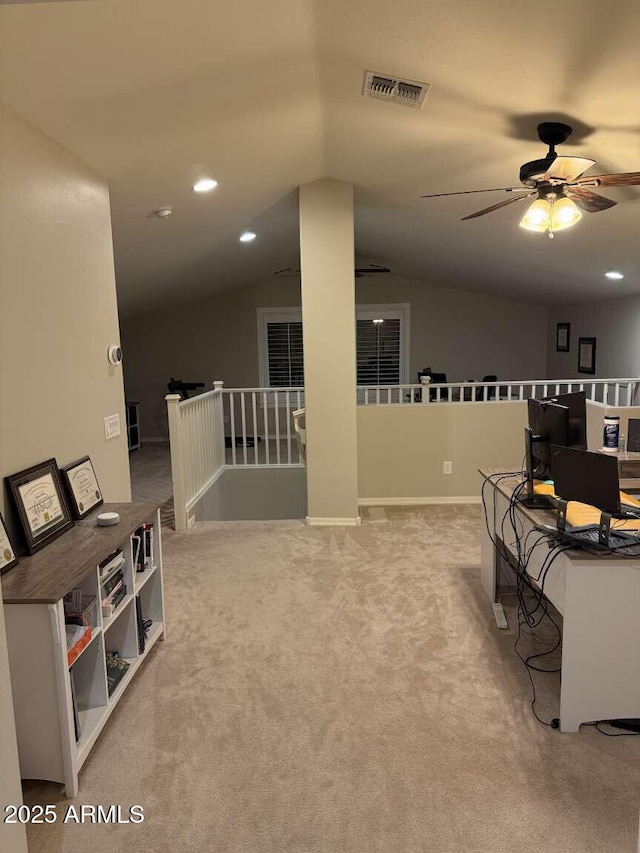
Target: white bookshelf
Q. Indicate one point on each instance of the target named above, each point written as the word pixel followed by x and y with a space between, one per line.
pixel 40 675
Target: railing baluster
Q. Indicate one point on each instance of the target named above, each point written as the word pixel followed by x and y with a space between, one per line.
pixel 388 395
pixel 288 410
pixel 277 412
pixel 616 397
pixel 232 416
pixel 254 411
pixel 266 426
pixel 244 428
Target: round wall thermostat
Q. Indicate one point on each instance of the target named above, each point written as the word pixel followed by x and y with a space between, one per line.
pixel 114 354
pixel 107 519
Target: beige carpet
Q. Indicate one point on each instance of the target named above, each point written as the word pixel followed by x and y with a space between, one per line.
pixel 343 691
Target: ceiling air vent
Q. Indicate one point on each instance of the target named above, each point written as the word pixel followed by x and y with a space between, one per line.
pixel 407 92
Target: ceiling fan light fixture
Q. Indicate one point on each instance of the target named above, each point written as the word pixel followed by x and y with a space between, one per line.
pixel 537 217
pixel 551 214
pixel 564 214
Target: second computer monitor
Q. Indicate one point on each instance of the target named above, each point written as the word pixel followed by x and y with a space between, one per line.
pixel 576 402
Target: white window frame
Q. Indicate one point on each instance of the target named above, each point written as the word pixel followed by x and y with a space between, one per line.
pixel 395 311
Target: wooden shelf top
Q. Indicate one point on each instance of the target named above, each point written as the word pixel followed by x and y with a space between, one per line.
pixel 49 574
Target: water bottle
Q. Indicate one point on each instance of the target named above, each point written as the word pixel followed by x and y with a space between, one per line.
pixel 611 433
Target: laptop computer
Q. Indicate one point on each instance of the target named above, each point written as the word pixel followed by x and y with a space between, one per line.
pixel 592 478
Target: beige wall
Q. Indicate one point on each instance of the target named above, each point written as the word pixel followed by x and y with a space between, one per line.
pixel 59 311
pixel 401 448
pixel 58 316
pixel 464 334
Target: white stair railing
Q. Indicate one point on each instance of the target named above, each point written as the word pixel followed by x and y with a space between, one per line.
pixel 196 435
pixel 610 392
pixel 259 426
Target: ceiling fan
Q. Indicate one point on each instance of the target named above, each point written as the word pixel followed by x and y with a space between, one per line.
pixel 556 181
pixel 359 272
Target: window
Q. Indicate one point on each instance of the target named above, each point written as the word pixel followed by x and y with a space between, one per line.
pixel 382 346
pixel 285 362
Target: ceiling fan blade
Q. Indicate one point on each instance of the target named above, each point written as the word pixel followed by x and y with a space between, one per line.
pixel 497 206
pixel 360 271
pixel 567 168
pixel 589 201
pixel 624 179
pixel 468 192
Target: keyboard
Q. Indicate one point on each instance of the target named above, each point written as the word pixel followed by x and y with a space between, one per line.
pixel 591 536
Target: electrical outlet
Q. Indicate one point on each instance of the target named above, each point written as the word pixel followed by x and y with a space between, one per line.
pixel 111 427
pixel 447 467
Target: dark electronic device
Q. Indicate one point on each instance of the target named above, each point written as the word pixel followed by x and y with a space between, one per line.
pixel 590 478
pixel 633 435
pixel 559 420
pixel 177 386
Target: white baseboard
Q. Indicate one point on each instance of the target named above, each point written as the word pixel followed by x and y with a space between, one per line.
pixel 461 499
pixel 333 522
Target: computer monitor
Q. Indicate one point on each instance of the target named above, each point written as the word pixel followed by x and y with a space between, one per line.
pixel 560 420
pixel 576 402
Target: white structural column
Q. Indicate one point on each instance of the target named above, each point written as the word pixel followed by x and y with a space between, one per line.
pixel 328 318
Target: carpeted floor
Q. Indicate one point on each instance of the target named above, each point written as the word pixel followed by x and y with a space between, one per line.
pixel 343 691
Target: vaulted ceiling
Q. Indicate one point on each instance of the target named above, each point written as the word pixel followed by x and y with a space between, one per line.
pixel 265 96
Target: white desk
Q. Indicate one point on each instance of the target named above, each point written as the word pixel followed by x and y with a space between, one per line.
pixel 599 599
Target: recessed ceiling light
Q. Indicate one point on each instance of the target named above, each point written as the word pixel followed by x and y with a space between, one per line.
pixel 247 237
pixel 204 185
pixel 615 275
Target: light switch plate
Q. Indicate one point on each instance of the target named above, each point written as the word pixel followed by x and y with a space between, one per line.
pixel 111 427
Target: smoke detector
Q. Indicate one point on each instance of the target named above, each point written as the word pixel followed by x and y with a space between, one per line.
pixel 161 213
pixel 411 93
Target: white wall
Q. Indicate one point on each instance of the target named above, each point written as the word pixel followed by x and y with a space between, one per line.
pixel 462 333
pixel 13 839
pixel 615 323
pixel 58 316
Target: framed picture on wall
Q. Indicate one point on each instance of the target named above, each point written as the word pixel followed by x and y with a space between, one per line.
pixel 563 331
pixel 42 508
pixel 586 355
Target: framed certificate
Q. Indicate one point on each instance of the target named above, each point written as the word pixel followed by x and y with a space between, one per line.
pixel 82 487
pixel 42 508
pixel 7 554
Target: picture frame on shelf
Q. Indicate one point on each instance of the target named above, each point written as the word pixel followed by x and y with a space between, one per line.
pixel 586 355
pixel 8 557
pixel 563 337
pixel 83 489
pixel 42 508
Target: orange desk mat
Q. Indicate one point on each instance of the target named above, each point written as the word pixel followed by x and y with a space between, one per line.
pixel 580 515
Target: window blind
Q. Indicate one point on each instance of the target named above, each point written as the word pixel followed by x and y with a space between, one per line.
pixel 284 353
pixel 378 352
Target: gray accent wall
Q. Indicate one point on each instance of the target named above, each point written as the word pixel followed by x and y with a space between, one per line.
pixel 462 333
pixel 615 323
pixel 262 494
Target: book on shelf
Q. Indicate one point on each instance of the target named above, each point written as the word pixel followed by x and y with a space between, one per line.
pixel 74 703
pixel 111 584
pixel 140 626
pixel 116 668
pixel 143 547
pixel 110 563
pixel 110 605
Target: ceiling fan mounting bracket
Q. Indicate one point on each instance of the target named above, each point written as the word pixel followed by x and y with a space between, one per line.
pixel 553 133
